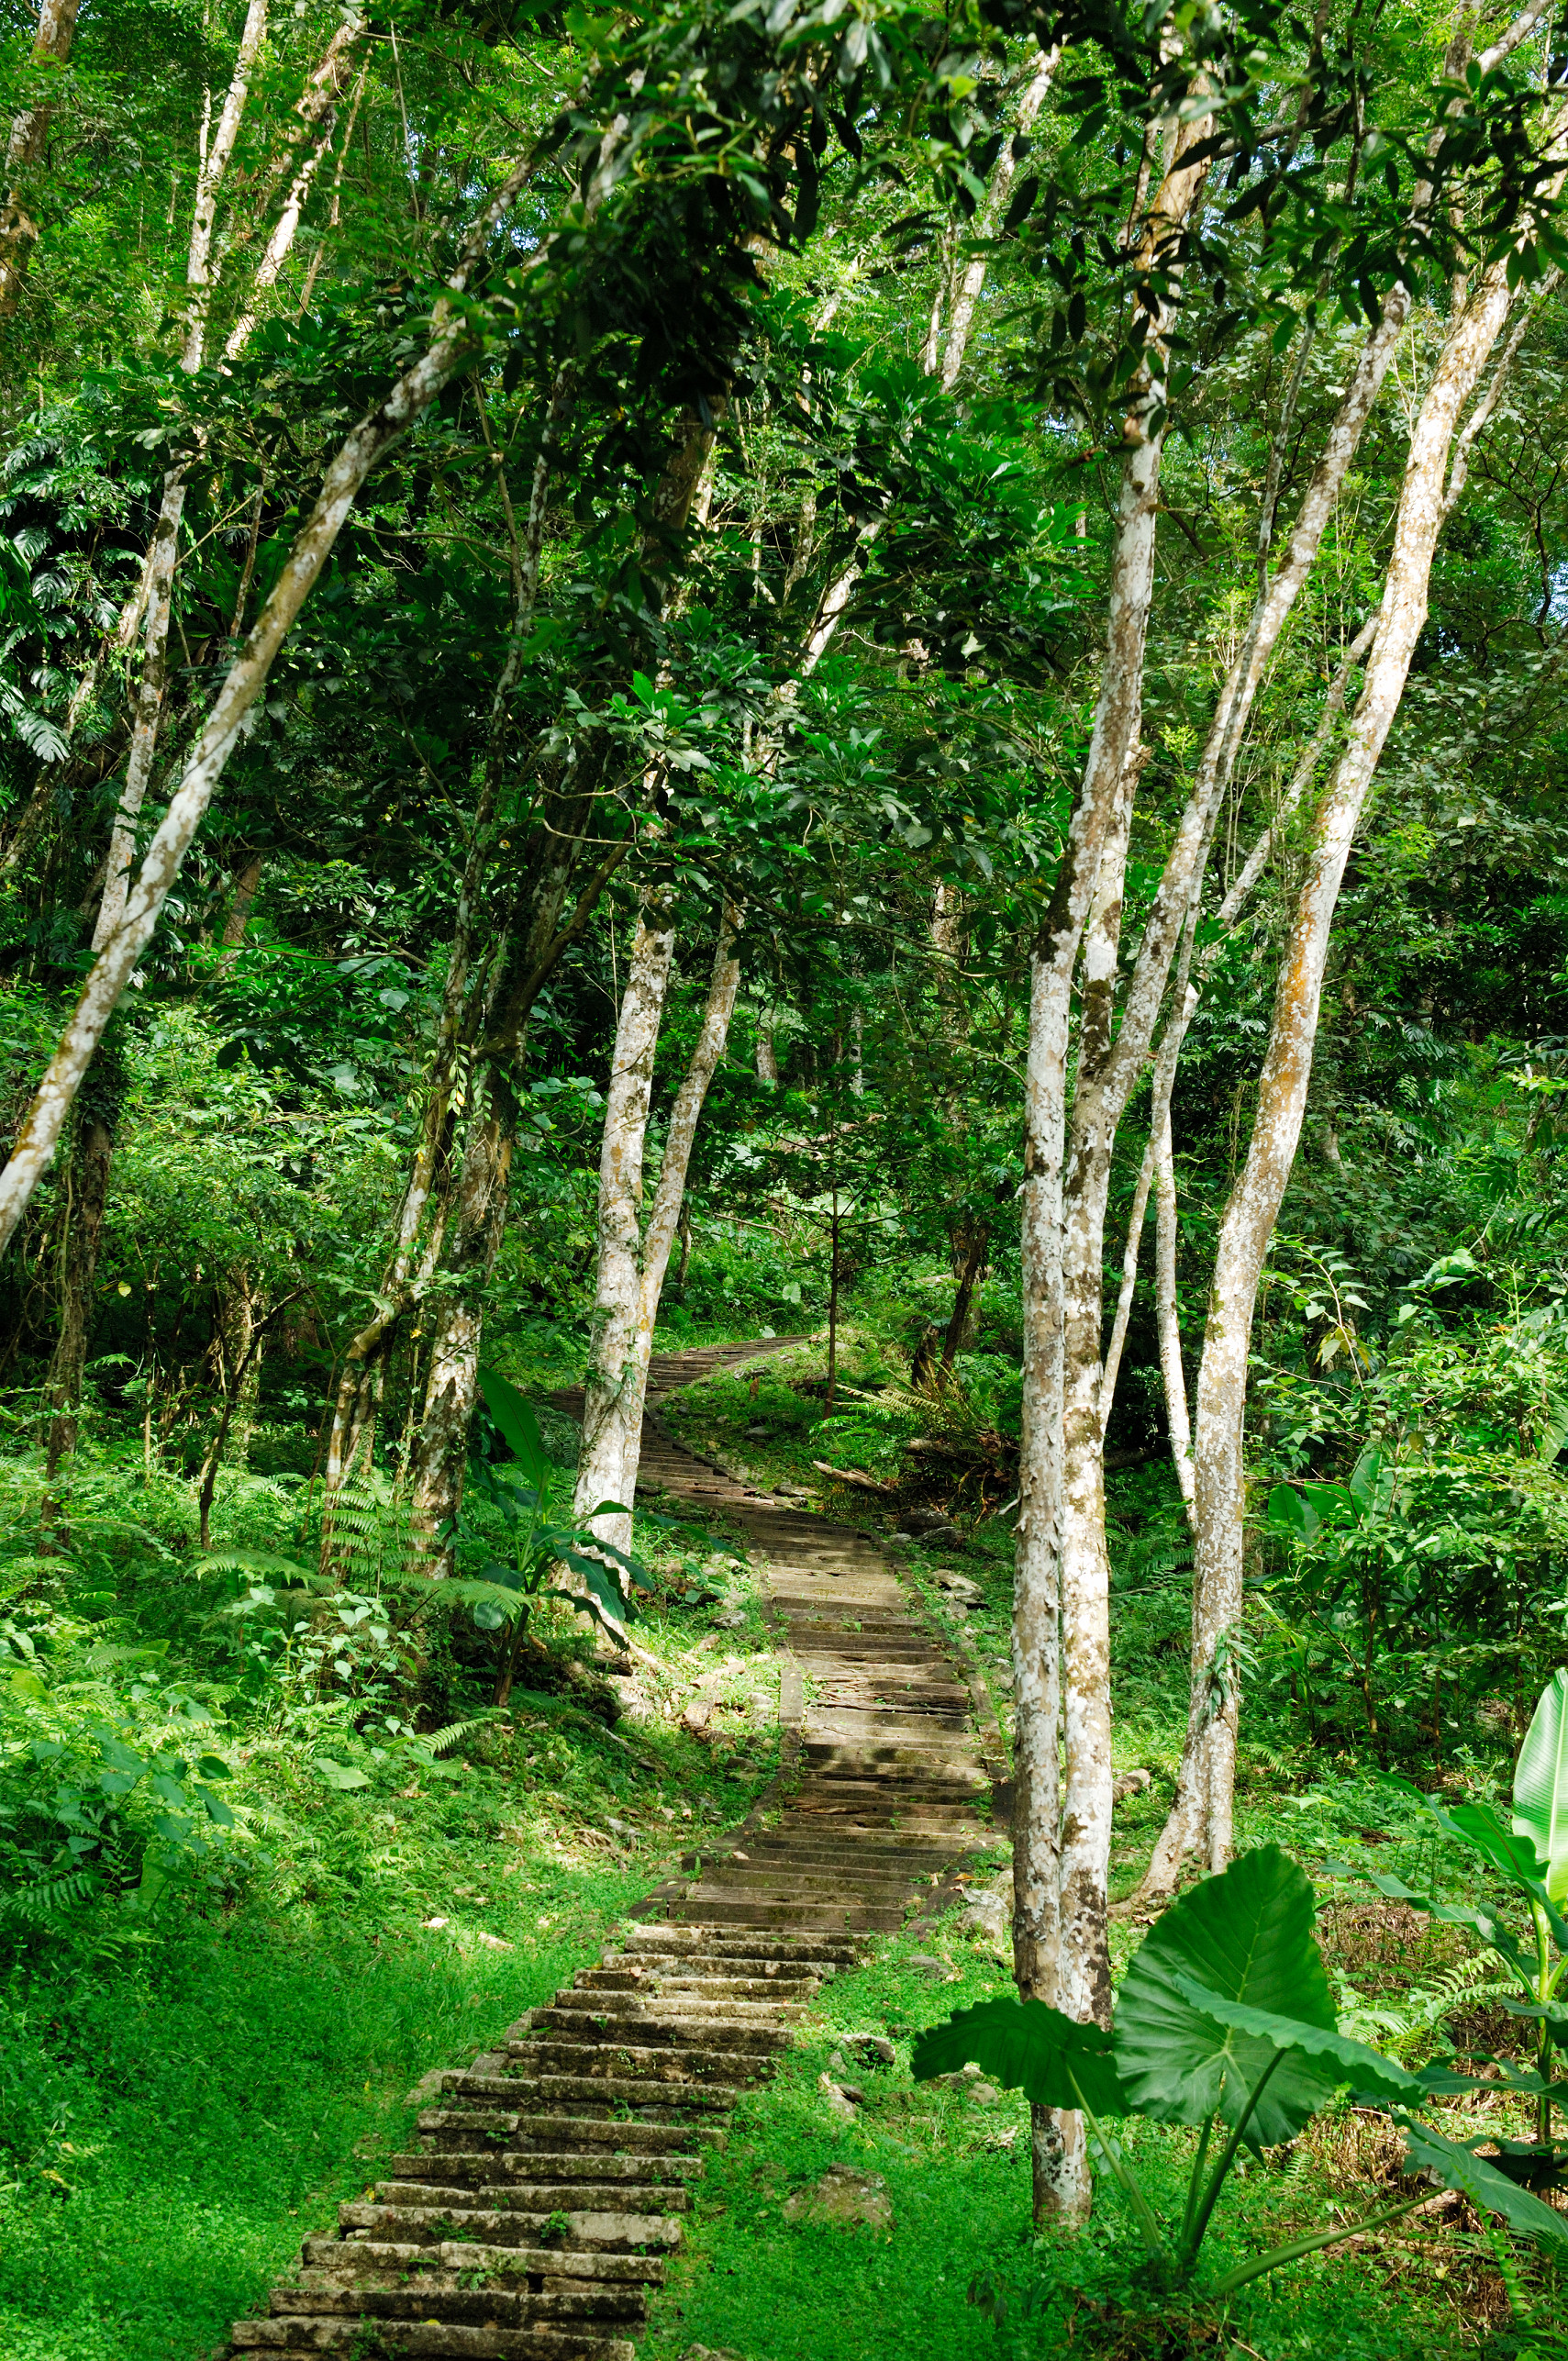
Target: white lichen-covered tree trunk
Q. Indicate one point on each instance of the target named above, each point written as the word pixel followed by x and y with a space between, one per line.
pixel 1202 1815
pixel 634 1256
pixel 216 154
pixel 619 1272
pixel 1048 1920
pixel 453 341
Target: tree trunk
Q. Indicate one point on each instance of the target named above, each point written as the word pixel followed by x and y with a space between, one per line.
pixel 966 295
pixel 30 129
pixel 216 155
pixel 452 1386
pixel 317 112
pixel 611 1380
pixel 149 709
pixel 91 1159
pixel 631 1267
pixel 452 343
pixel 1060 2153
pixel 974 1239
pixel 1204 1809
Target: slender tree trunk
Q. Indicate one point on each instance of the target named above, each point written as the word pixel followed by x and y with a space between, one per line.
pixel 91 1161
pixel 967 293
pixel 473 1241
pixel 451 347
pixel 975 1241
pixel 149 709
pixel 452 1386
pixel 199 273
pixel 317 113
pixel 1203 1813
pixel 611 1381
pixel 29 130
pixel 1039 1873
pixel 631 1267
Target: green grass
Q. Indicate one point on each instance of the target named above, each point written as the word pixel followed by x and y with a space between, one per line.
pixel 174 2133
pixel 177 2114
pixel 753 2282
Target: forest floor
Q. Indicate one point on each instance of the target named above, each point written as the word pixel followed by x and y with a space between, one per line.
pixel 178 2113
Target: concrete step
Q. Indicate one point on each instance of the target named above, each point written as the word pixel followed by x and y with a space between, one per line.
pixel 787 1990
pixel 452 2298
pixel 612 2055
pixel 551 2265
pixel 650 2012
pixel 401 2211
pixel 712 1903
pixel 455 2132
pixel 301 2340
pixel 557 2091
pixel 599 2136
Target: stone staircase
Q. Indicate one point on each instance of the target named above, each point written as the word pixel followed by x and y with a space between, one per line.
pixel 551 2178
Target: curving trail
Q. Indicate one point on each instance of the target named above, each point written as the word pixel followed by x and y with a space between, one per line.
pixel 531 2216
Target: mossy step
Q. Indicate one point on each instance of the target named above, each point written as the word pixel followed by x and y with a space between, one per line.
pixel 455 2303
pixel 589 2162
pixel 476 2168
pixel 781 1947
pixel 551 2265
pixel 492 2219
pixel 858 1920
pixel 300 2340
pixel 768 2019
pixel 670 1986
pixel 559 2091
pixel 668 2062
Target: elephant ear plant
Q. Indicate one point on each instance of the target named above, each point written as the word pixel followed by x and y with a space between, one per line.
pixel 1224 2021
pixel 503 1594
pixel 1529 1854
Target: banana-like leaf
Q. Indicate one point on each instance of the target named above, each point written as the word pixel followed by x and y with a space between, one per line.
pixel 1366 2070
pixel 1248 1936
pixel 1541 1784
pixel 1489 2190
pixel 519 1427
pixel 1512 1852
pixel 1025 2045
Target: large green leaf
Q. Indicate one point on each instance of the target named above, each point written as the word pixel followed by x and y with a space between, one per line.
pixel 1025 2045
pixel 1489 2190
pixel 1366 2070
pixel 1541 1784
pixel 519 1426
pixel 1246 1935
pixel 1511 1853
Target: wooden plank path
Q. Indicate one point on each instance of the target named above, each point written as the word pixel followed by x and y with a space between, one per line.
pixel 544 2188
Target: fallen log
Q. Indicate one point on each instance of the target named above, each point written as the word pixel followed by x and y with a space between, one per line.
pixel 861 1483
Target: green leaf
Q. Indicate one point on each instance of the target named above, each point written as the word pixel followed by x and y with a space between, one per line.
pixel 1488 2190
pixel 1247 1936
pixel 1514 1855
pixel 1541 1784
pixel 1025 2045
pixel 253 1562
pixel 340 1776
pixel 29 1685
pixel 213 1766
pixel 519 1426
pixel 1288 1513
pixel 1365 2069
